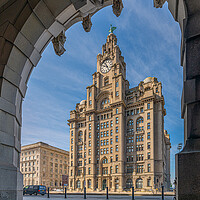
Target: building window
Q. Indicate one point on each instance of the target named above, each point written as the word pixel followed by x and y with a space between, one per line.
pixel 111 141
pixel 130 122
pixel 90 126
pixel 116 110
pixel 156 90
pixel 107 124
pixel 117 84
pixel 111 170
pixel 117 120
pixel 90 94
pixel 148 155
pixel 106 81
pixel 89 160
pixel 148 125
pixel 72 133
pixel 117 129
pixel 148 135
pixel 72 140
pixel 116 148
pixel 89 171
pixel 141 110
pixel 139 168
pixel 111 159
pixel 149 167
pixel 111 132
pixel 116 169
pixel 90 135
pixel 148 106
pixel 89 143
pixel 107 152
pixel 89 151
pixel 148 115
pixel 90 118
pixel 71 148
pixel 117 94
pixel 111 123
pixel 116 157
pixel 148 145
pixel 90 102
pixel 111 150
pixel 89 183
pixel 117 138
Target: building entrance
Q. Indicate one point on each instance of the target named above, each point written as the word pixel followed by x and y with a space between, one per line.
pixel 104 184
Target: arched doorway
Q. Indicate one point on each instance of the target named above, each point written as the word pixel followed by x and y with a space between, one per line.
pixel 104 184
pixel 139 183
pixel 17 62
pixel 129 183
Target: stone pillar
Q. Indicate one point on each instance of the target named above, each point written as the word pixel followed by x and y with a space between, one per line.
pixel 188 160
pixel 10 147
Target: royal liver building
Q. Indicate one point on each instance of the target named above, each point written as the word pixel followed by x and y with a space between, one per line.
pixel 117 136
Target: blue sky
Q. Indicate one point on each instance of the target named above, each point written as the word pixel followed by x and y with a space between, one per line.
pixel 149 39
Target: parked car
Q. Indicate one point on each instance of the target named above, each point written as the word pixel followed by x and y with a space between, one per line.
pixel 34 189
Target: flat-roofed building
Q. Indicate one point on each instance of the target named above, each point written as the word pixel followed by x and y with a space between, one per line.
pixel 43 164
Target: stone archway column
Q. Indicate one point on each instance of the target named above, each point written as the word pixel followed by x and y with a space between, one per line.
pixel 188 160
pixel 10 144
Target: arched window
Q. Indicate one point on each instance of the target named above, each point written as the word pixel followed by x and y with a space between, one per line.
pixel 104 103
pixel 105 160
pixel 129 183
pixel 139 183
pixel 78 184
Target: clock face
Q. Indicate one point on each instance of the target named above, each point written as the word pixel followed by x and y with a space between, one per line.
pixel 106 66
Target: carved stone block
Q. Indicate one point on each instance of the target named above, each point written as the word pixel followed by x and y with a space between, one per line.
pixel 117 7
pixel 58 43
pixel 159 3
pixel 87 24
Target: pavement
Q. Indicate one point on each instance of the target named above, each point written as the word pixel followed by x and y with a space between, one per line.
pixel 94 197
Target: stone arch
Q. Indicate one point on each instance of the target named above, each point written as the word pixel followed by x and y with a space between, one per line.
pixel 139 183
pixel 20 51
pixel 129 183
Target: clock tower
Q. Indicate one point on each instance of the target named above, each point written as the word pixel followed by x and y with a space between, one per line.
pixel 117 137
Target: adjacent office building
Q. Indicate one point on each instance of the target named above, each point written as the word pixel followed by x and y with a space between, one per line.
pixel 43 164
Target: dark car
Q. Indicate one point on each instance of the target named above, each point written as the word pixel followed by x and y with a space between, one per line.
pixel 34 189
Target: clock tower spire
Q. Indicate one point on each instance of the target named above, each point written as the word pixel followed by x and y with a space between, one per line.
pixel 111 60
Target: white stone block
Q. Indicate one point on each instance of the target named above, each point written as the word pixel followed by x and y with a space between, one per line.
pixel 32 29
pixel 56 28
pixel 16 60
pixel 43 41
pixel 66 14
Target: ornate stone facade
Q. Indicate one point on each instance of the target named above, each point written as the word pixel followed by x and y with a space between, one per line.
pixel 117 136
pixel 42 164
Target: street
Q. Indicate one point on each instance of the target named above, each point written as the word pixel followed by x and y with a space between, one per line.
pixel 93 197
